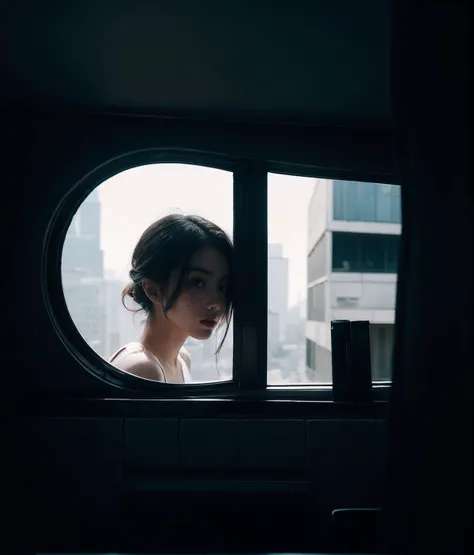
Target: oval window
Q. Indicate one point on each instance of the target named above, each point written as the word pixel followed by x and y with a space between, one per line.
pixel 146 272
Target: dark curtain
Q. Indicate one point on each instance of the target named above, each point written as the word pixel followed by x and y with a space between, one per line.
pixel 429 487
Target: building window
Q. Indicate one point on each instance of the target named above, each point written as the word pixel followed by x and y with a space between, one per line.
pixel 366 202
pixel 365 206
pixel 364 252
pixel 383 207
pixel 396 205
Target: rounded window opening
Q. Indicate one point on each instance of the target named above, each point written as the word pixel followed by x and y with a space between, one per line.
pixel 146 271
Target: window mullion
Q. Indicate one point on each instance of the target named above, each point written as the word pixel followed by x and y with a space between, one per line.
pixel 251 270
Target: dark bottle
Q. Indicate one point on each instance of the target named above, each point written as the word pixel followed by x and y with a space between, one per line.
pixel 351 364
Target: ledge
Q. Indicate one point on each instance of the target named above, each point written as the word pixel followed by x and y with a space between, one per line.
pixel 258 408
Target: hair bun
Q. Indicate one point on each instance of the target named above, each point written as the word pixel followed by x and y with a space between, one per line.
pixel 137 293
pixel 129 290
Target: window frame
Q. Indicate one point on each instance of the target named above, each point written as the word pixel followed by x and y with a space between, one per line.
pixel 250 182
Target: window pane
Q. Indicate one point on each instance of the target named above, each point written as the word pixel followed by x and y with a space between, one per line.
pixel 345 252
pixel 373 253
pixel 366 202
pixel 350 273
pixel 97 259
pixel 288 274
pixel 393 247
pixel 353 206
pixel 364 252
pixel 396 205
pixel 339 200
pixel 384 203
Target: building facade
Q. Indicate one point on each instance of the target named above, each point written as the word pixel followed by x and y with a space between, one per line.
pixel 82 271
pixel 277 293
pixel 353 241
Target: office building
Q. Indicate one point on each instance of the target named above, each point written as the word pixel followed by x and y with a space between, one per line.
pixel 353 241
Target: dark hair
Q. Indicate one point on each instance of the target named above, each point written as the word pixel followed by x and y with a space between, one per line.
pixel 168 244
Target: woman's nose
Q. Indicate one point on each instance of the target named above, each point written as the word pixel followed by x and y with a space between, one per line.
pixel 215 305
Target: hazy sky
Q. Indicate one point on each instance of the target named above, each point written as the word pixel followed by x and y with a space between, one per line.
pixel 133 199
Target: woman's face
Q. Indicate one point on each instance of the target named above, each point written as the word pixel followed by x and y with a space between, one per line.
pixel 202 302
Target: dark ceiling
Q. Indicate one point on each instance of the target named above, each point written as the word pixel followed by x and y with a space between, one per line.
pixel 323 61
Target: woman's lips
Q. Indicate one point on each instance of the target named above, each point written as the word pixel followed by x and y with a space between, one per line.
pixel 209 323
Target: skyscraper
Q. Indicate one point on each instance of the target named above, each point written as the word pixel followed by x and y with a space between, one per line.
pixel 353 239
pixel 83 271
pixel 277 292
pixel 82 246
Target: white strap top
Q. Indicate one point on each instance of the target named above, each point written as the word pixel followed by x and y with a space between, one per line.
pixel 134 350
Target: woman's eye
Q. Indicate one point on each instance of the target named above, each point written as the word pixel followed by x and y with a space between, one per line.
pixel 196 282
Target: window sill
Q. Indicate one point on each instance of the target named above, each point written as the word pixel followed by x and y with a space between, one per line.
pixel 274 403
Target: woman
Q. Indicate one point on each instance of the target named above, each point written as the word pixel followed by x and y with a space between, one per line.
pixel 181 271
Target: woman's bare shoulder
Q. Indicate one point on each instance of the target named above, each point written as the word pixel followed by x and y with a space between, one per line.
pixel 140 363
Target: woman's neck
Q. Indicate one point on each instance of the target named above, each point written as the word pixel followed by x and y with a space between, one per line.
pixel 163 339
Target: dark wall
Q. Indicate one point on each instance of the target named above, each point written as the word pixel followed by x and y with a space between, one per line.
pixel 122 483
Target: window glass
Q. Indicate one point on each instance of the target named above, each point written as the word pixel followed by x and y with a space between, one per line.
pixel 384 203
pixel 339 198
pixel 97 256
pixel 288 276
pixel 373 250
pixel 349 262
pixel 393 246
pixel 352 205
pixel 364 252
pixel 345 252
pixel 366 202
pixel 396 205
